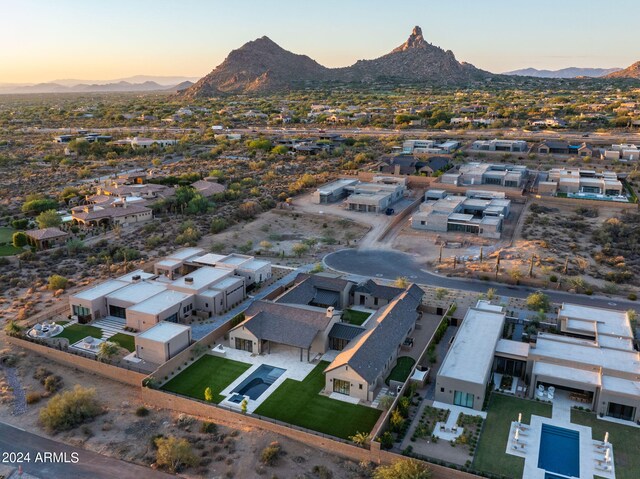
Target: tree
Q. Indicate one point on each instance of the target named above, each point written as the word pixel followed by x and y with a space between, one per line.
pixel 401 282
pixel 538 301
pixel 360 438
pixel 74 246
pixel 218 225
pixel 403 469
pixel 19 239
pixel 67 410
pixel 48 219
pixel 280 150
pixel 208 394
pixel 174 453
pixel 396 421
pixel 243 406
pixel 107 350
pixel 248 210
pixel 491 294
pixel 57 282
pixel 39 205
pixel 299 249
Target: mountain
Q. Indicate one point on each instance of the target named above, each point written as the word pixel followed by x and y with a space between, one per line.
pixel 571 72
pixel 631 72
pixel 120 86
pixel 263 66
pixel 260 65
pixel 181 86
pixel 415 60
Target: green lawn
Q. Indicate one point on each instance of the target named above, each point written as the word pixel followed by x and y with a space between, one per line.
pixel 208 371
pixel 401 370
pixel 76 332
pixel 490 454
pixel 6 234
pixel 299 403
pixel 625 440
pixel 127 341
pixel 355 317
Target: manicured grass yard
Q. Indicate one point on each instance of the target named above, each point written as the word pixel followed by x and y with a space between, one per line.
pixel 6 242
pixel 76 332
pixel 401 370
pixel 490 454
pixel 355 317
pixel 299 403
pixel 208 371
pixel 127 341
pixel 625 440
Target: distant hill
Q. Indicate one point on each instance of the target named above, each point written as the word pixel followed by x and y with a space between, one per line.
pixel 631 72
pixel 139 83
pixel 263 66
pixel 571 72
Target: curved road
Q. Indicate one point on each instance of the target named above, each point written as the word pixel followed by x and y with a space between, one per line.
pixel 392 264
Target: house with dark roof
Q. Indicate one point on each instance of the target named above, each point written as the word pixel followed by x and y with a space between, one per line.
pixel 360 368
pixel 319 290
pixel 373 295
pixel 277 327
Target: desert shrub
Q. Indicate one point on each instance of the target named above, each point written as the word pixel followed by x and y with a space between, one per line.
pixel 70 409
pixel 208 428
pixel 174 454
pixel 270 454
pixel 142 411
pixel 52 383
pixel 57 282
pixel 33 397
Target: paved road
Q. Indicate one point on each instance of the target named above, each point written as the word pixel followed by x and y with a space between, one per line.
pixel 89 465
pixel 392 264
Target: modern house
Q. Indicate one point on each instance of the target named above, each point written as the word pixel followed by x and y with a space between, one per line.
pixel 410 165
pixel 580 182
pixel 512 146
pixel 360 368
pixel 473 213
pixel 508 176
pixel 179 289
pixel 559 147
pixel 374 197
pixel 592 359
pixel 429 147
pixel 161 342
pixel 143 143
pixel 46 238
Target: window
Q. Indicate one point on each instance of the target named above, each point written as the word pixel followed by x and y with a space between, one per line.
pixel 375 301
pixel 81 310
pixel 463 399
pixel 244 345
pixel 117 311
pixel 341 386
pixel 441 390
pixel 360 386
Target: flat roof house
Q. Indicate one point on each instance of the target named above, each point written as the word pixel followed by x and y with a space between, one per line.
pixel 500 145
pixel 332 192
pixel 474 173
pixel 163 341
pixel 579 182
pixel 169 305
pixel 484 217
pixel 466 369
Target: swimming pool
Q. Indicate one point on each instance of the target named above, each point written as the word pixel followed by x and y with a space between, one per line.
pixel 259 381
pixel 559 451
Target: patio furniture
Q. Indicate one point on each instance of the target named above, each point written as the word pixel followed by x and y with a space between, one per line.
pixel 550 392
pixel 540 391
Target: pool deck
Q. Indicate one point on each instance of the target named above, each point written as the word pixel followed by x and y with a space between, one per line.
pixel 280 357
pixel 592 452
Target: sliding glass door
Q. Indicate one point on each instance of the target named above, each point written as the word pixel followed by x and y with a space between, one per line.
pixel 463 399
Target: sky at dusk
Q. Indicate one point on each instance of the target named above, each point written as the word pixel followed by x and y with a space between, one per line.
pixel 45 40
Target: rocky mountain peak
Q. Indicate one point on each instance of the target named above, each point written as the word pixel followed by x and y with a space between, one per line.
pixel 415 40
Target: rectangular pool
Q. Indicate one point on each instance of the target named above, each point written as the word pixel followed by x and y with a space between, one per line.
pixel 258 381
pixel 559 451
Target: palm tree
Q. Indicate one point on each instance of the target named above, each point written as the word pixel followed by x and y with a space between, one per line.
pixel 107 350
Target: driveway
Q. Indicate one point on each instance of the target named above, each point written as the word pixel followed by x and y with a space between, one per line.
pixel 89 464
pixel 392 264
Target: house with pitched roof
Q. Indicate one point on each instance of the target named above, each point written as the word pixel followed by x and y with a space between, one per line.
pixel 360 368
pixel 269 327
pixel 319 290
pixel 46 238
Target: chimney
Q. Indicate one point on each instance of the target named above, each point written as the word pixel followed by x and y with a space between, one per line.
pixel 188 280
pixel 396 169
pixel 135 278
pixel 330 310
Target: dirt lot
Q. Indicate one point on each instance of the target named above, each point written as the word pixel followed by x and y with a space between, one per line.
pixel 560 240
pixel 282 229
pixel 120 433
